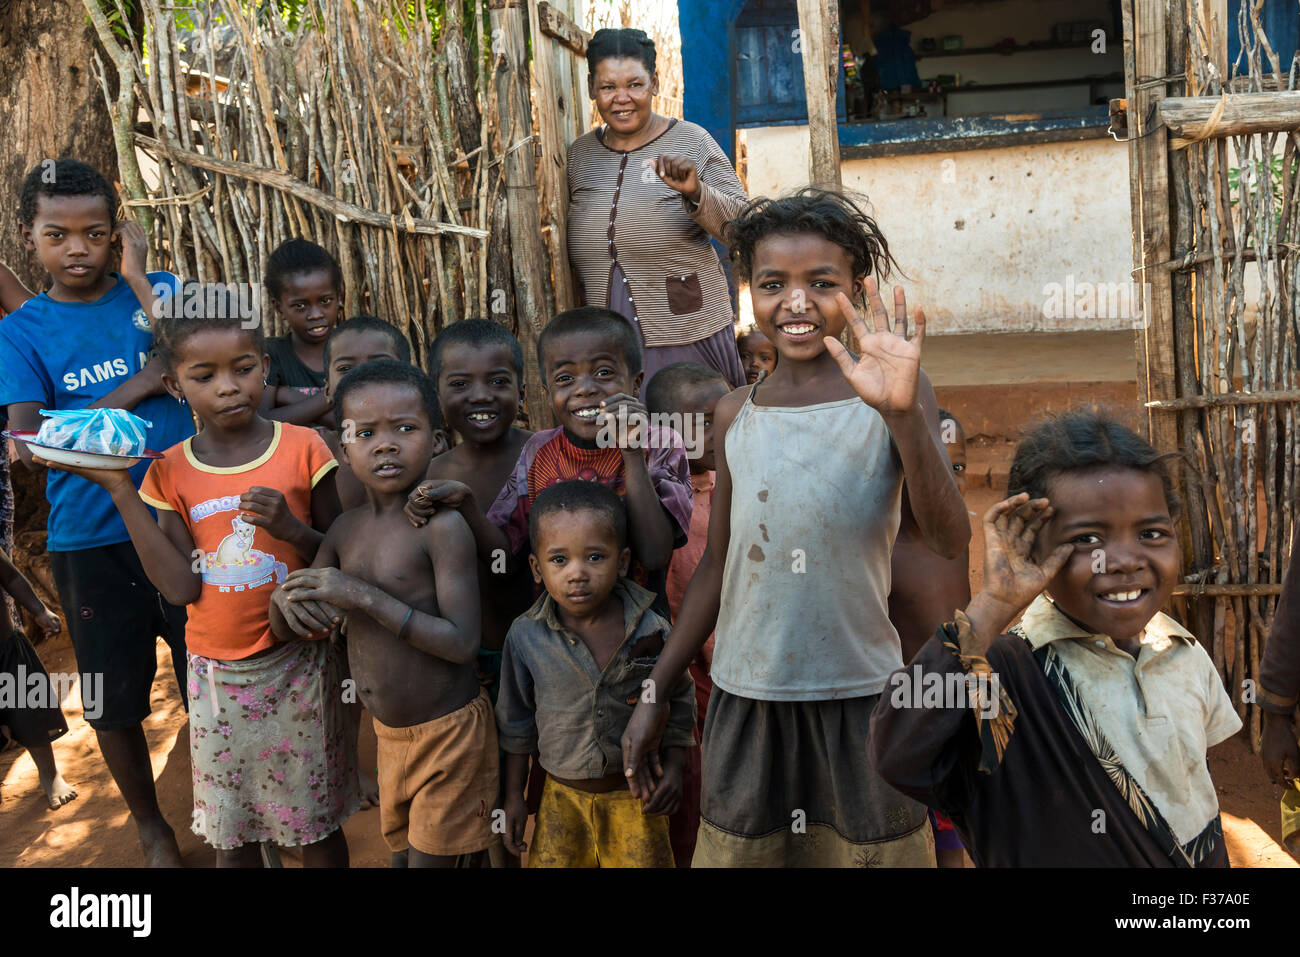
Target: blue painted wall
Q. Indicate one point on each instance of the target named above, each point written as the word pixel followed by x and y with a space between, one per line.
pixel 706 65
pixel 748 44
pixel 1281 22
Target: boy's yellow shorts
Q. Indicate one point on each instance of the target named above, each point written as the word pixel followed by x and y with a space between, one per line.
pixel 579 829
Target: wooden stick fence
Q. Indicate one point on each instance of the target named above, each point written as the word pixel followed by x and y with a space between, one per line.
pixel 1234 189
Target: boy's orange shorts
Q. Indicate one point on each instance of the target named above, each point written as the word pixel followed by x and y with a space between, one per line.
pixel 438 782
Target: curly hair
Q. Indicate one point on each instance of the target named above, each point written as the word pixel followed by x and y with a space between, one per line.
pixel 295 256
pixel 63 177
pixel 477 333
pixel 198 307
pixel 838 216
pixel 579 495
pixel 1085 440
pixel 627 43
pixel 390 372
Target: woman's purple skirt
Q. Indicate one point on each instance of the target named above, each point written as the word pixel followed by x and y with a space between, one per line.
pixel 718 351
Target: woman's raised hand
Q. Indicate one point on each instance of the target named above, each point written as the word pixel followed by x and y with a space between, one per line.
pixel 679 173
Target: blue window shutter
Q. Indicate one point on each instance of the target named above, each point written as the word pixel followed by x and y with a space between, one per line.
pixel 1281 22
pixel 769 73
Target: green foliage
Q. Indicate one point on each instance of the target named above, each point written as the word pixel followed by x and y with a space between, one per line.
pixel 1260 170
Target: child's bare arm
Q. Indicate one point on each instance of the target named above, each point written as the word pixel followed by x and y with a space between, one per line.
pixel 165 546
pixel 454 639
pixel 12 291
pixel 306 410
pixel 455 574
pixel 16 584
pixel 432 496
pixel 887 376
pixel 293 618
pixel 695 622
pixel 131 237
pixel 650 527
pixel 516 811
pixel 937 505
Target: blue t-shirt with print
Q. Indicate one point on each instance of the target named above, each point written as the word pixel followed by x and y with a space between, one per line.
pixel 68 355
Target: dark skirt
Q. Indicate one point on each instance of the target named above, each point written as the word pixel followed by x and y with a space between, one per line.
pixel 717 351
pixel 788 783
pixel 29 726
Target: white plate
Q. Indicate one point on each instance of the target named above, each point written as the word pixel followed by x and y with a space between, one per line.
pixel 85 460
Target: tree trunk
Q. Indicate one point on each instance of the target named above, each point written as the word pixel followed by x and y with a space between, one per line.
pixel 51 105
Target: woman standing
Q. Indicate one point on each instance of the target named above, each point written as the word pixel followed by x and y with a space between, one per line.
pixel 645 194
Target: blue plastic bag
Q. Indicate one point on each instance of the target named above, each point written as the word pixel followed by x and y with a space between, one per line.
pixel 104 431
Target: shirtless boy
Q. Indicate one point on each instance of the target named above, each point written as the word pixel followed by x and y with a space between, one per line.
pixel 410 597
pixel 478 367
pixel 353 342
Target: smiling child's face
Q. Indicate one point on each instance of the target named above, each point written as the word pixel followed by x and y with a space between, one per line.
pixel 72 236
pixel 578 560
pixel 480 391
pixel 1116 519
pixel 757 355
pixel 352 348
pixel 582 370
pixel 221 373
pixel 793 282
pixel 392 440
pixel 310 303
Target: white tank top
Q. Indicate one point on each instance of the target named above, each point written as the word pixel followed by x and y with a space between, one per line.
pixel 815 499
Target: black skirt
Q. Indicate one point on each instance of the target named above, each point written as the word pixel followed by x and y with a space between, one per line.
pixel 29 726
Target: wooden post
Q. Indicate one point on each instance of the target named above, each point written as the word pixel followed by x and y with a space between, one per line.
pixel 514 105
pixel 552 33
pixel 1144 58
pixel 1195 536
pixel 819 36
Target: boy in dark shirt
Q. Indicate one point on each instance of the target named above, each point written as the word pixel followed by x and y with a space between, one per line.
pixel 411 600
pixel 574 666
pixel 87 342
pixel 305 285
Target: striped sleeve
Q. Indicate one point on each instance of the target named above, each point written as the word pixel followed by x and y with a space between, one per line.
pixel 721 195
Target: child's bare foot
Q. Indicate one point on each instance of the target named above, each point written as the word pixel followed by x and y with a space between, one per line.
pixel 369 790
pixel 58 792
pixel 158 841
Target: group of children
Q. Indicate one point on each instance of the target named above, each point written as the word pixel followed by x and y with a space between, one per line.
pixel 665 656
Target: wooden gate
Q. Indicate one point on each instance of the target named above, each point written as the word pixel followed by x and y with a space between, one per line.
pixel 560 82
pixel 1215 183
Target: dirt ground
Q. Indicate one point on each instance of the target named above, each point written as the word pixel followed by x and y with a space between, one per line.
pixel 94 831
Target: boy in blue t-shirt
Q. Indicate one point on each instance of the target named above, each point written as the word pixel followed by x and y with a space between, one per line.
pixel 86 342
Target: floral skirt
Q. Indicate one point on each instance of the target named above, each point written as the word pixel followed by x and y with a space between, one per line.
pixel 271 755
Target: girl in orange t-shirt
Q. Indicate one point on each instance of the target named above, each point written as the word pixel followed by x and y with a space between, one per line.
pixel 240 505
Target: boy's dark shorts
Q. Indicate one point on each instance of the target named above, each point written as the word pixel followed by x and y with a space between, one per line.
pixel 115 616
